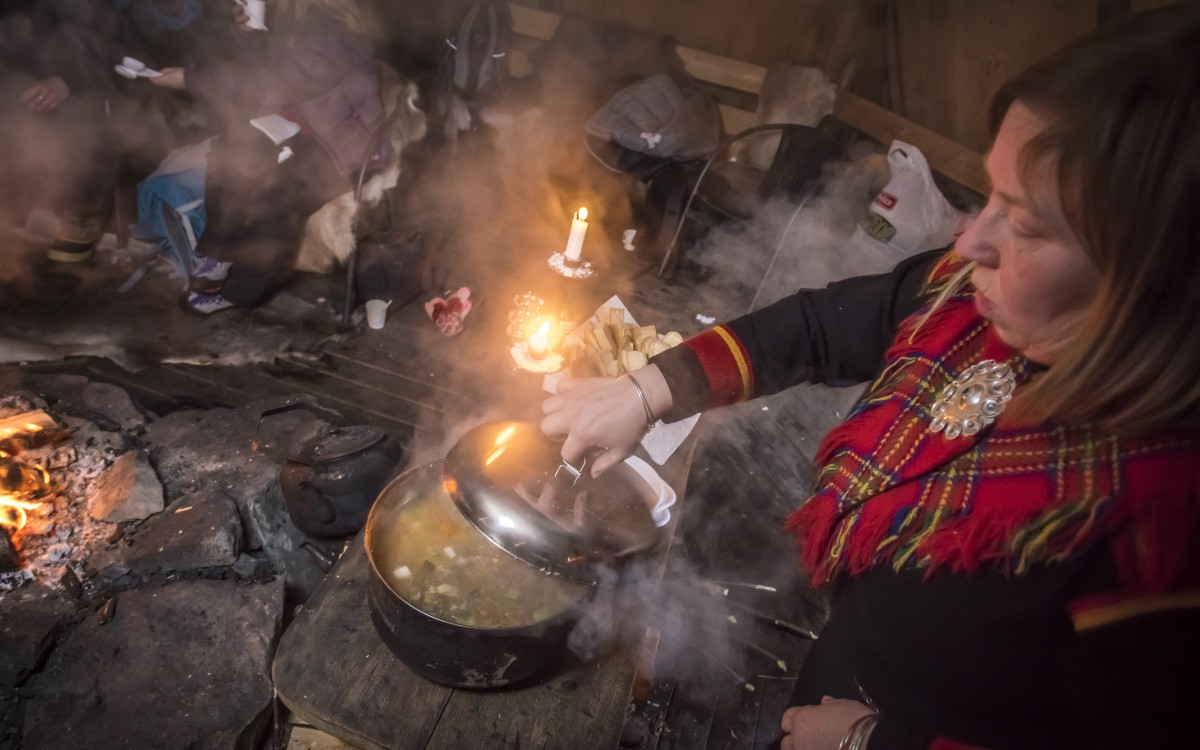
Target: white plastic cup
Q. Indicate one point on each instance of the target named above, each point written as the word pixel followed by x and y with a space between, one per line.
pixel 257 10
pixel 377 312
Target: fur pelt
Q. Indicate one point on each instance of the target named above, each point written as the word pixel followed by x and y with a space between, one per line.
pixel 329 235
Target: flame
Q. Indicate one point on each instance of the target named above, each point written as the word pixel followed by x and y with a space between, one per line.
pixel 12 512
pixel 582 213
pixel 540 340
pixel 24 482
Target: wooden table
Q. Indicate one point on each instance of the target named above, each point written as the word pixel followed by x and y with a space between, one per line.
pixel 334 672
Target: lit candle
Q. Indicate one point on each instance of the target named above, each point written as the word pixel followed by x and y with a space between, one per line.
pixel 540 340
pixel 579 228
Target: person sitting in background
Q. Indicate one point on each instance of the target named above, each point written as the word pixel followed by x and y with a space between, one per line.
pixel 1008 522
pixel 315 67
pixel 69 122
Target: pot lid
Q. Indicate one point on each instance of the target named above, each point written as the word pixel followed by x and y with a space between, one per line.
pixel 510 482
pixel 339 443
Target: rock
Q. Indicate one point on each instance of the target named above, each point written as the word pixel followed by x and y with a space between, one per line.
pixel 210 451
pixel 246 566
pixel 29 618
pixel 103 403
pixel 109 444
pixel 186 665
pixel 201 530
pixel 128 491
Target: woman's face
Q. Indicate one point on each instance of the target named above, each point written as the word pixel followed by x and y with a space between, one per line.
pixel 1032 278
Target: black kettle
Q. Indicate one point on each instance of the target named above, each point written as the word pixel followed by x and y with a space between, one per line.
pixel 329 486
pixel 330 482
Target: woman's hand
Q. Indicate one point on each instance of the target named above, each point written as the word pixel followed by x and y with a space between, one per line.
pixel 602 413
pixel 45 95
pixel 171 78
pixel 820 727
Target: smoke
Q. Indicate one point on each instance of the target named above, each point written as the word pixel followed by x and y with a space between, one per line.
pixel 788 245
pixel 688 629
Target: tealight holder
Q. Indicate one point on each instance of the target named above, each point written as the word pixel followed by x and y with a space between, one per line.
pixel 543 363
pixel 563 265
pixel 538 350
pixel 534 334
pixel 527 308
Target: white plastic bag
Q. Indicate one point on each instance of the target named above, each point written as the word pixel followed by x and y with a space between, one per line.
pixel 910 214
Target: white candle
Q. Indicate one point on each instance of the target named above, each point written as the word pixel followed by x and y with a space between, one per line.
pixel 579 228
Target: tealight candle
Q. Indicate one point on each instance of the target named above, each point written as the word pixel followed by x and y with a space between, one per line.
pixel 579 227
pixel 539 342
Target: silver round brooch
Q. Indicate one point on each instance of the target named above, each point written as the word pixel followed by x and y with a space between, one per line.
pixel 974 399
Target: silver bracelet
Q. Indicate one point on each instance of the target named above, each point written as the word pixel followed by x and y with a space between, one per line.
pixel 859 732
pixel 651 420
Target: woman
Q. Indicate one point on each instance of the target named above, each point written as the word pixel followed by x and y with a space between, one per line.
pixel 1034 583
pixel 315 67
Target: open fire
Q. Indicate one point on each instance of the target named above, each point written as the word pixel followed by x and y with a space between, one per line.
pixel 22 483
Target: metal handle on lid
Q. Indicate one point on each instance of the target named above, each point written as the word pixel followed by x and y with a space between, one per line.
pixel 575 471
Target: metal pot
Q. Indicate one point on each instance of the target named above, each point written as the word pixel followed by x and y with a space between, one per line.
pixel 481 564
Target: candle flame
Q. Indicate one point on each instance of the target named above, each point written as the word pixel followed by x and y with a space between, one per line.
pixel 581 214
pixel 540 340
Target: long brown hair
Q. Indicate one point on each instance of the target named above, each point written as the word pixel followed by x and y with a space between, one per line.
pixel 285 14
pixel 1124 140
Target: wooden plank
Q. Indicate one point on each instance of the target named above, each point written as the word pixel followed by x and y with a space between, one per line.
pixel 722 71
pixel 545 715
pixel 311 738
pixel 534 23
pixel 359 692
pixel 953 160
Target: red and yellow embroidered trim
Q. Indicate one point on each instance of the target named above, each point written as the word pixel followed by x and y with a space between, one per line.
pixel 726 365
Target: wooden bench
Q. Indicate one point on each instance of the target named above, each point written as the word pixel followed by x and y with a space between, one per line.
pixel 950 159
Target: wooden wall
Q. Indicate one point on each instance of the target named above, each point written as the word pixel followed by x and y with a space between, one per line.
pixel 936 62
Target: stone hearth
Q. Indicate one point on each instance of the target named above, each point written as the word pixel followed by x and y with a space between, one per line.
pixel 152 583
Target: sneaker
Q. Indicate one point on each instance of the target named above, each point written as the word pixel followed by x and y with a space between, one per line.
pixel 76 238
pixel 205 304
pixel 209 275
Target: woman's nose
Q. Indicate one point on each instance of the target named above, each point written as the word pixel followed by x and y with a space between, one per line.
pixel 976 244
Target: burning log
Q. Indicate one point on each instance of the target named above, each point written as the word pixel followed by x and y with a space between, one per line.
pixel 31 429
pixel 9 559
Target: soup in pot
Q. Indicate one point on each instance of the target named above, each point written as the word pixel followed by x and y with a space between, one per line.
pixel 434 559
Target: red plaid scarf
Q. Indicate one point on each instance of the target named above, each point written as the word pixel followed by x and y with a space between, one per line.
pixel 891 492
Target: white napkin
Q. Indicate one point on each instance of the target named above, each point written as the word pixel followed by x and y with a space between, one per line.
pixel 131 67
pixel 662 441
pixel 276 127
pixel 661 512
